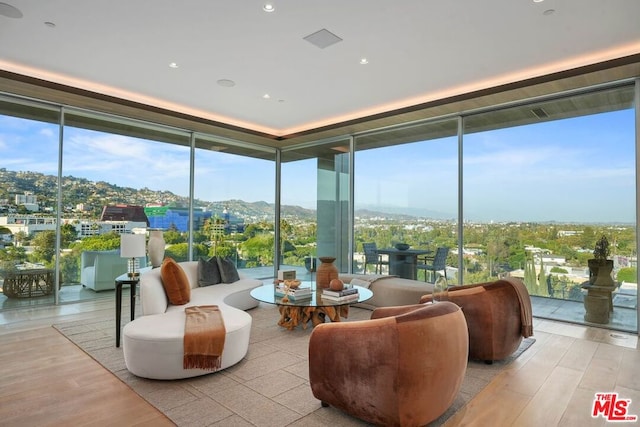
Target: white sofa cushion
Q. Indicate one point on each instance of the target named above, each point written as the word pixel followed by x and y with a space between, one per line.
pixel 154 345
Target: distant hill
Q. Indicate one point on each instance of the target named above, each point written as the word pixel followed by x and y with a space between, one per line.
pixel 399 212
pixel 95 195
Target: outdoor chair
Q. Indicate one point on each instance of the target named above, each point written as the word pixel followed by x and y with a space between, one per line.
pixel 434 264
pixel 99 269
pixel 371 256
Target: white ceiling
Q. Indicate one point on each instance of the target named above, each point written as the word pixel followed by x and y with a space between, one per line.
pixel 418 50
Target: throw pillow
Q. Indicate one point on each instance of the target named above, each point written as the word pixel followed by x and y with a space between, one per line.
pixel 208 272
pixel 175 282
pixel 228 270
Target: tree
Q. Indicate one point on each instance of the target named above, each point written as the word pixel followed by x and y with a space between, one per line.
pixel 588 237
pixel 172 237
pixel 70 268
pixel 45 246
pixel 214 228
pixel 68 234
pixel 226 250
pixel 19 238
pixel 199 237
pixel 13 253
pixel 102 242
pixel 11 256
pixel 200 250
pixel 258 250
pixel 179 252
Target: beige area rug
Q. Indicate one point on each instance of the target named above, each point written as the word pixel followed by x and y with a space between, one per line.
pixel 268 388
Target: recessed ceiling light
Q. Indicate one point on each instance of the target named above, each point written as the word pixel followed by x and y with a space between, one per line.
pixel 538 1
pixel 549 12
pixel 173 65
pixel 226 83
pixel 266 96
pixel 268 7
pixel 10 11
pixel 364 61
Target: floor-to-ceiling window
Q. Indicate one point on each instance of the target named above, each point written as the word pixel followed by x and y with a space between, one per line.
pixel 234 204
pixel 29 146
pixel 315 201
pixel 542 183
pixel 406 187
pixel 406 191
pixel 121 176
pixel 118 174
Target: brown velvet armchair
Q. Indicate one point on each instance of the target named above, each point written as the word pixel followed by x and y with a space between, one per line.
pixel 498 316
pixel 404 367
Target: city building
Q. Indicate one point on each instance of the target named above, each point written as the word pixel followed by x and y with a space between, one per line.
pixel 30 225
pixel 124 213
pixel 169 217
pixel 29 201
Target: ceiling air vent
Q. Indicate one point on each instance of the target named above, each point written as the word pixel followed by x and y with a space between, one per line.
pixel 323 38
pixel 540 113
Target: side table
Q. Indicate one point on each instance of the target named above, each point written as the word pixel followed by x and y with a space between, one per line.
pixel 133 283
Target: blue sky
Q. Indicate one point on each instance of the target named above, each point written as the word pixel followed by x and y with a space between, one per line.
pixel 580 169
pixel 574 170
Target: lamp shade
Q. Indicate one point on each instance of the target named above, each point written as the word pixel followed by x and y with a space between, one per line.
pixel 132 245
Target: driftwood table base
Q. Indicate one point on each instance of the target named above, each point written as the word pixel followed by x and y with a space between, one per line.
pixel 291 316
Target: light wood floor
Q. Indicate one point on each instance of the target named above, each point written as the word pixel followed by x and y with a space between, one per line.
pixel 554 382
pixel 47 380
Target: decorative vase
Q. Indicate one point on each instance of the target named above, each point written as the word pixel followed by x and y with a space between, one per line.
pixel 326 272
pixel 155 247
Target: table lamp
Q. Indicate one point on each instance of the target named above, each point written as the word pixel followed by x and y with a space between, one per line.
pixel 132 246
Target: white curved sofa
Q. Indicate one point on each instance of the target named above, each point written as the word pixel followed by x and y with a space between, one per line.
pixel 153 343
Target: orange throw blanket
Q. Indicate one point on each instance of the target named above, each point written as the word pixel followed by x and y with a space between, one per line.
pixel 526 315
pixel 204 334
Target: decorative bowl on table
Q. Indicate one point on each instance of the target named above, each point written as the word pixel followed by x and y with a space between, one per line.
pixel 292 283
pixel 402 246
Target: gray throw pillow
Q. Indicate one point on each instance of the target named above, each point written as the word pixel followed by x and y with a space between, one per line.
pixel 228 270
pixel 208 272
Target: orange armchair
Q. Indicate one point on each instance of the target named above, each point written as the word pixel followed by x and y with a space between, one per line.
pixel 498 316
pixel 404 367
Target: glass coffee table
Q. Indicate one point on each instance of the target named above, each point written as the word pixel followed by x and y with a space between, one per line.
pixel 316 309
